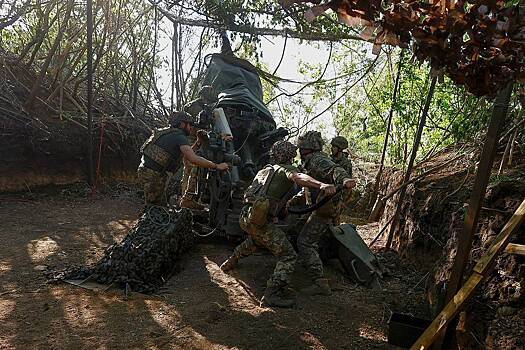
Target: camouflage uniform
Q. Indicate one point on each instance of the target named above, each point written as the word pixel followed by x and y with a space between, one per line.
pixel 190 175
pixel 342 159
pixel 344 162
pixel 161 154
pixel 154 184
pixel 268 235
pixel 275 240
pixel 319 166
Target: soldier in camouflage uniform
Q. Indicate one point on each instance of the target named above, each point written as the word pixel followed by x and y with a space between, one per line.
pixel 207 97
pixel 339 156
pixel 163 152
pixel 319 166
pixel 274 183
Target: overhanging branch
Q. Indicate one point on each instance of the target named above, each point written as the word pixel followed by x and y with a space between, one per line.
pixel 255 30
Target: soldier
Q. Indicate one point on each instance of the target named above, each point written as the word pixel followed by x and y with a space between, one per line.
pixel 273 185
pixel 339 156
pixel 207 97
pixel 163 152
pixel 319 166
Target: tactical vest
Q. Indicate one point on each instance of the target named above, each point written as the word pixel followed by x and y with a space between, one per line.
pixel 158 154
pixel 261 180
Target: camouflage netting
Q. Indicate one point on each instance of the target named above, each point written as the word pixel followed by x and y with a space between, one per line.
pixel 146 257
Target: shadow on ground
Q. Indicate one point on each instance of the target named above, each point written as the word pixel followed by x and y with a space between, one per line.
pixel 199 308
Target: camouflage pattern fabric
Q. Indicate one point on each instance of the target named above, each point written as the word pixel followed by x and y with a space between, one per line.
pixel 340 142
pixel 308 243
pixel 319 166
pixel 283 151
pixel 154 184
pixel 189 175
pixel 274 239
pixel 344 162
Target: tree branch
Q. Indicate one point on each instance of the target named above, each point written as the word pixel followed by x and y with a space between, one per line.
pixel 256 30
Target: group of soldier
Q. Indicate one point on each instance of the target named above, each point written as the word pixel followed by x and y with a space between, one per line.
pixel 266 199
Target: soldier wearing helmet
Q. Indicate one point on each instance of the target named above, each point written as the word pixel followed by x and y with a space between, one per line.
pixel 163 152
pixel 339 156
pixel 264 200
pixel 319 166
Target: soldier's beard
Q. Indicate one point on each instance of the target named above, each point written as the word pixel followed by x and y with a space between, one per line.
pixel 187 129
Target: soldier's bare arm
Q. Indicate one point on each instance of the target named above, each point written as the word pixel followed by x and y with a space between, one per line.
pixel 349 183
pixel 308 181
pixel 188 154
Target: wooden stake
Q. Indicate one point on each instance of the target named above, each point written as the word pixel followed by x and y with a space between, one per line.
pixel 478 193
pixel 482 269
pixel 415 147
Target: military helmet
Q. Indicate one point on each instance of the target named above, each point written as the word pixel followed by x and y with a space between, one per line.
pixel 179 117
pixel 207 94
pixel 340 142
pixel 311 140
pixel 283 151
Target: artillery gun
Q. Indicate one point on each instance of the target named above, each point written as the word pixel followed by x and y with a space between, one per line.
pixel 241 131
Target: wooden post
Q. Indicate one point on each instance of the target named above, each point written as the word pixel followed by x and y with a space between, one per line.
pixel 488 154
pixel 374 215
pixel 415 147
pixel 89 13
pixel 480 272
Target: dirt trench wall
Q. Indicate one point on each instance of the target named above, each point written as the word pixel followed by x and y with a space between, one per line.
pixel 431 220
pixel 33 157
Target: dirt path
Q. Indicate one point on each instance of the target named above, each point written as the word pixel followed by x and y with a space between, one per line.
pixel 199 308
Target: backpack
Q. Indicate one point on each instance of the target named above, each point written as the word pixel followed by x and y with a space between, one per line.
pixel 256 195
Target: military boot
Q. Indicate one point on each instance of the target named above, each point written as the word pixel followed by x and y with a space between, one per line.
pixel 230 263
pixel 190 203
pixel 320 287
pixel 274 296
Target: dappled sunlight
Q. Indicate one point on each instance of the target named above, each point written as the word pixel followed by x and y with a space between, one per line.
pixel 79 311
pixel 120 225
pixel 165 316
pixel 6 308
pixel 311 341
pixel 239 297
pixel 368 332
pixel 170 320
pixel 39 249
pixel 5 267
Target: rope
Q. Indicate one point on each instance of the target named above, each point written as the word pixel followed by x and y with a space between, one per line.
pixel 206 234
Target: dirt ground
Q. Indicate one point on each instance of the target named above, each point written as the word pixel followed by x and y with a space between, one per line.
pixel 199 308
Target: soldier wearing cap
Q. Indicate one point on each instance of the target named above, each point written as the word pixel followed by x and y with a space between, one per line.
pixel 319 166
pixel 339 156
pixel 164 152
pixel 264 199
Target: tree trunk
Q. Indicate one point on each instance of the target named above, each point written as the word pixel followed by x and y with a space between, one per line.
pixel 375 213
pixel 36 86
pixel 413 154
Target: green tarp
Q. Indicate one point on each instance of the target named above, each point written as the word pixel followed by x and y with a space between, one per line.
pixel 237 83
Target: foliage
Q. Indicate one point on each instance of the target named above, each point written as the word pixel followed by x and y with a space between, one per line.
pixel 147 63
